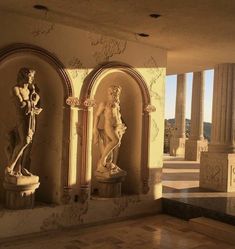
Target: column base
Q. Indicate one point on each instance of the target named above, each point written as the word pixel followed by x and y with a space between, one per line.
pixel 193 149
pixel 20 191
pixel 217 171
pixel 177 146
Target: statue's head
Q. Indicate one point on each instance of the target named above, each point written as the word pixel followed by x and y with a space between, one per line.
pixel 114 92
pixel 25 75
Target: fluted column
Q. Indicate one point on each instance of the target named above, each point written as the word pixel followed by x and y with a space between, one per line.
pixel 196 142
pixel 180 106
pixel 177 142
pixel 218 164
pixel 197 108
pixel 223 114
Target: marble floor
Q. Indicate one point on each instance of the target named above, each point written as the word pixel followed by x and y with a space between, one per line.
pixel 181 184
pixel 153 232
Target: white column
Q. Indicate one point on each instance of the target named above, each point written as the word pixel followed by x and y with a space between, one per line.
pixel 218 164
pixel 177 142
pixel 180 106
pixel 223 115
pixel 196 142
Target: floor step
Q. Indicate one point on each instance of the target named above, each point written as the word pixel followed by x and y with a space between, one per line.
pixel 214 229
pixel 189 208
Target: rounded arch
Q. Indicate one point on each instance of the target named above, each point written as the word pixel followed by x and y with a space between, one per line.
pixel 44 54
pixel 12 51
pixel 92 78
pixel 87 93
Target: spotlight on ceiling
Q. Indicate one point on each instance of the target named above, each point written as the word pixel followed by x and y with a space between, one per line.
pixel 154 15
pixel 142 34
pixel 40 7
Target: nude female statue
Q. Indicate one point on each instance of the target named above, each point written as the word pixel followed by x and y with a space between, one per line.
pixel 109 139
pixel 26 101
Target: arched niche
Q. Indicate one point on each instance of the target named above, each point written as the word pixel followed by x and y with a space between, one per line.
pixel 49 152
pixel 133 155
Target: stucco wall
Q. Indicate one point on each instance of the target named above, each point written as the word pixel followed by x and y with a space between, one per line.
pixel 80 52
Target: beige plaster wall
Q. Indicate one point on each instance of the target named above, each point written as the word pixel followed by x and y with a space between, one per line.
pixel 81 51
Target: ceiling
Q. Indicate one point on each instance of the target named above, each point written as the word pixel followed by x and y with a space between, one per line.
pixel 197 33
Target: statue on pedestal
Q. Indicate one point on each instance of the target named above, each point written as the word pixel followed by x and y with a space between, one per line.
pixel 109 138
pixel 18 178
pixel 26 100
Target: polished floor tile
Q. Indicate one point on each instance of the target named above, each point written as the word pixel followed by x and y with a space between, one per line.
pixel 153 232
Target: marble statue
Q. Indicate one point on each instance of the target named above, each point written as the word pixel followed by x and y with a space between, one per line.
pixel 109 137
pixel 27 107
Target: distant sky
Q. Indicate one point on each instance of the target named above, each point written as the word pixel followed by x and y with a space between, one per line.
pixel 170 95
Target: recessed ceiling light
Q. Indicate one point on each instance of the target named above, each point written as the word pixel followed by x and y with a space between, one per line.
pixel 154 15
pixel 40 7
pixel 143 34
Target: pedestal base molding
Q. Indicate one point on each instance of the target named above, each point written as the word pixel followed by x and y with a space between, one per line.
pixel 217 171
pixel 20 191
pixel 109 188
pixel 193 149
pixel 177 146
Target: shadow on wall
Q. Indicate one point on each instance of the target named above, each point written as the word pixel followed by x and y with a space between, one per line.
pixel 131 110
pixel 47 156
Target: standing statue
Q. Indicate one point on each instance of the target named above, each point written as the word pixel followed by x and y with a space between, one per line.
pixel 109 138
pixel 26 101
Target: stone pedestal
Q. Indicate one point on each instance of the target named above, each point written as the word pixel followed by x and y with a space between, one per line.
pixel 177 146
pixel 110 188
pixel 217 171
pixel 20 191
pixel 193 149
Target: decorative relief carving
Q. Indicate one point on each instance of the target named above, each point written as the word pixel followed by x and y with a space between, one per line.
pixel 150 108
pixel 232 175
pixel 89 103
pixel 75 102
pixel 156 73
pixel 106 47
pixel 121 204
pixel 71 215
pixel 213 171
pixel 43 30
pixel 76 65
pixel 72 101
pixel 155 130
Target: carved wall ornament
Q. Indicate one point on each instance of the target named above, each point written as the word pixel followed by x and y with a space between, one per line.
pixel 72 101
pixel 150 108
pixel 89 103
pixel 43 30
pixel 156 73
pixel 106 47
pixel 155 131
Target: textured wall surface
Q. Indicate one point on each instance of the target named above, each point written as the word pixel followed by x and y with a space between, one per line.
pixel 80 52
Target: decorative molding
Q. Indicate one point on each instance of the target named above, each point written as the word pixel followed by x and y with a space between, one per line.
pixel 150 108
pixel 156 73
pixel 42 53
pixel 106 47
pixel 43 30
pixel 72 101
pixel 75 102
pixel 89 103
